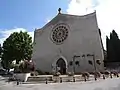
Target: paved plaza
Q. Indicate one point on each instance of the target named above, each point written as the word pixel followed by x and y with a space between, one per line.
pixel 108 84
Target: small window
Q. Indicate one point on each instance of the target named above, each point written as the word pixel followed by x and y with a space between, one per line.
pixel 89 55
pixel 98 62
pixel 77 63
pixel 90 62
pixel 83 55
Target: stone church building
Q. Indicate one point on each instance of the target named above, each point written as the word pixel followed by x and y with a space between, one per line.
pixel 69 43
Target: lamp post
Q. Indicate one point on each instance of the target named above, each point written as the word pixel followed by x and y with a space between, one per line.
pixel 74 62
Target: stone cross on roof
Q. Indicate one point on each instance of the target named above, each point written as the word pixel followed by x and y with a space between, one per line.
pixel 59 11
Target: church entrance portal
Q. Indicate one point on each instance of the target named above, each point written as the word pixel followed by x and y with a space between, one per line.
pixel 61 65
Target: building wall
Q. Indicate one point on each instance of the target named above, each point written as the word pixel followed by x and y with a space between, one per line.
pixel 83 38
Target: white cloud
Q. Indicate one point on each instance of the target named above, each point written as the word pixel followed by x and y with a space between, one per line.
pixel 108 13
pixel 47 20
pixel 80 7
pixel 6 33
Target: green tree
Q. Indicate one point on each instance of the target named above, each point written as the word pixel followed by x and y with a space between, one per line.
pixel 18 46
pixel 113 47
pixel 109 49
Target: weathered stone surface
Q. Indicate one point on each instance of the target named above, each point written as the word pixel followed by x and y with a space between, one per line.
pixel 83 38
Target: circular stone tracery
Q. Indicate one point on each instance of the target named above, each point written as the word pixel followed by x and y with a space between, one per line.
pixel 59 33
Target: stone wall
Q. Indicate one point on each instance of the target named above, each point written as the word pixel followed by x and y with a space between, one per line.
pixel 83 39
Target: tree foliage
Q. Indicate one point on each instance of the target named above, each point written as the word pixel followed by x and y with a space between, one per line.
pixel 113 47
pixel 18 46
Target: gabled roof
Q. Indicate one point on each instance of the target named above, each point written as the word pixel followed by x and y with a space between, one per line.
pixel 72 16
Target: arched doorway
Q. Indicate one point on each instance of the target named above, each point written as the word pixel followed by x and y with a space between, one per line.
pixel 62 65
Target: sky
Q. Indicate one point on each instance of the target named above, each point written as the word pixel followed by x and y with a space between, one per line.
pixel 26 15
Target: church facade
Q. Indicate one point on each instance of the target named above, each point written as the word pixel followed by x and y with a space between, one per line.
pixel 69 43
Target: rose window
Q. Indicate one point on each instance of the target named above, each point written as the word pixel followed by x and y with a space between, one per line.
pixel 59 33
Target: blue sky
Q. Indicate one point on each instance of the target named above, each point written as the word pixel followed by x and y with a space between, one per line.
pixel 26 15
